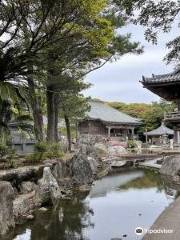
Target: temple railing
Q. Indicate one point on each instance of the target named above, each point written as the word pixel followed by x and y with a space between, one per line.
pixel 172 116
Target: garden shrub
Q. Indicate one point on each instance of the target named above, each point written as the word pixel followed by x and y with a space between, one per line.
pixel 6 151
pixel 41 147
pixel 3 150
pixel 132 144
pixel 44 151
pixel 55 150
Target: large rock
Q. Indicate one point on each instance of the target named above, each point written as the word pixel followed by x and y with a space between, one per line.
pixel 21 174
pixel 116 150
pixel 171 166
pixel 61 170
pixel 81 169
pixel 118 164
pixel 48 188
pixel 6 207
pixel 93 164
pixel 23 204
pixel 101 150
pixel 27 187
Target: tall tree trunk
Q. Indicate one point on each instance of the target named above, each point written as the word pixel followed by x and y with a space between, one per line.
pixel 68 129
pixel 56 117
pixel 5 117
pixel 52 102
pixel 50 115
pixel 37 111
pixel 76 125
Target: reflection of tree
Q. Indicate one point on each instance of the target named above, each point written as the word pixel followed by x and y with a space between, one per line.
pixel 75 218
pixel 65 222
pixel 150 179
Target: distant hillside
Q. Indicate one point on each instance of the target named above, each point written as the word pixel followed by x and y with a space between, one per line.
pixel 151 114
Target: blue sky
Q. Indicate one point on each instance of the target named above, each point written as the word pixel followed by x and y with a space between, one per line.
pixel 119 81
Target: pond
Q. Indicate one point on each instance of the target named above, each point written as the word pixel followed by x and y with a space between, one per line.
pixel 114 208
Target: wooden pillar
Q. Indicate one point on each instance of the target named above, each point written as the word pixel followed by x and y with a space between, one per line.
pixel 146 136
pixel 178 105
pixel 132 133
pixel 178 136
pixel 109 131
pixel 126 134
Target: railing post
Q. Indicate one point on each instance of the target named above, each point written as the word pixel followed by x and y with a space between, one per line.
pixel 172 115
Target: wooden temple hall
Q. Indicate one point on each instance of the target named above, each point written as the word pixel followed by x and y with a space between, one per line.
pixel 167 86
pixel 107 121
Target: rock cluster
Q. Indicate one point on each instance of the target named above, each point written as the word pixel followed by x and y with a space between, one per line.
pixel 24 189
pixel 16 207
pixel 101 148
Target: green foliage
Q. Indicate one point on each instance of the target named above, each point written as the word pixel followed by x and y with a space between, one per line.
pixel 74 106
pixel 155 17
pixel 51 155
pixel 150 114
pixel 44 150
pixel 35 157
pixel 8 153
pixel 41 147
pixel 12 163
pixel 63 131
pixel 4 150
pixel 131 144
pixel 52 45
pixel 54 151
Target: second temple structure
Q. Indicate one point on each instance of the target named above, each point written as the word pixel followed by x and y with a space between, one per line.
pixel 167 86
pixel 107 121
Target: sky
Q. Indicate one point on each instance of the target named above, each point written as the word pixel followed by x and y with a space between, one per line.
pixel 119 81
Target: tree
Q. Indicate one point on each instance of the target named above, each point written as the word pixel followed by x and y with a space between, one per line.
pixel 155 16
pixel 150 114
pixel 61 40
pixel 73 108
pixel 13 107
pixel 27 28
pixel 92 42
pixel 10 95
pixel 71 103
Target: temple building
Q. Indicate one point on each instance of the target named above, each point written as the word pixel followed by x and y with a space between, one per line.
pixel 167 86
pixel 160 135
pixel 104 120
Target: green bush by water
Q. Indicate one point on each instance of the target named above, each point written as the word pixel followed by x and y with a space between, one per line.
pixel 44 150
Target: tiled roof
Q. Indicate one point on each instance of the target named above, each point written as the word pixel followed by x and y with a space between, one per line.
pixel 102 111
pixel 165 78
pixel 162 130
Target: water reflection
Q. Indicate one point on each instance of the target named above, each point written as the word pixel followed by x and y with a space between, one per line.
pixel 115 206
pixel 150 179
pixel 107 184
pixel 65 222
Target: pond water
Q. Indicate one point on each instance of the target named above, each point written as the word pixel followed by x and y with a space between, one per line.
pixel 115 206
